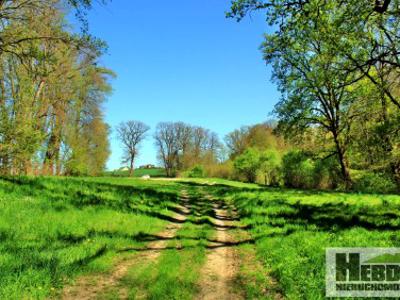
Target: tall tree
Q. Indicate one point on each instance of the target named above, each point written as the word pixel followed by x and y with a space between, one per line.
pixel 366 35
pixel 236 141
pixel 131 134
pixel 167 144
pixel 314 88
pixel 51 94
pixel 321 52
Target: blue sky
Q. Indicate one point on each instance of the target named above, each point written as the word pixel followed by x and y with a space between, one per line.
pixel 182 61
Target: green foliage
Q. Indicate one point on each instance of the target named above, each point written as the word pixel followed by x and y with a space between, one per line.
pixel 270 167
pixel 259 136
pixel 332 67
pixel 370 182
pixel 221 170
pixel 247 164
pixel 51 119
pixel 298 170
pixel 197 172
pixel 327 173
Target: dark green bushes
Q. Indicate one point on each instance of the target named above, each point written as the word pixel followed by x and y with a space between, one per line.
pixel 298 170
pixel 375 183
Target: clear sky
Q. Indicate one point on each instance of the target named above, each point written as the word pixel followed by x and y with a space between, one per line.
pixel 182 60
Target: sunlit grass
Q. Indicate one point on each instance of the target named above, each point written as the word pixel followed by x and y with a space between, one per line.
pixel 52 229
pixel 292 229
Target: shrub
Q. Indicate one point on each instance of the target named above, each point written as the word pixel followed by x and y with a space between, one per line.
pixel 327 173
pixel 375 183
pixel 298 170
pixel 197 172
pixel 248 164
pixel 222 170
pixel 270 167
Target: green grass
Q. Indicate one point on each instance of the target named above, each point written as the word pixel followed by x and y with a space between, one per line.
pixel 52 229
pixel 292 229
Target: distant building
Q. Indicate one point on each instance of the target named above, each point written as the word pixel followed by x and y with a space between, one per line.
pixel 149 166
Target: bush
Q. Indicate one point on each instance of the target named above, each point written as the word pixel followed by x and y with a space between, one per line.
pixel 197 172
pixel 248 164
pixel 327 173
pixel 298 170
pixel 221 170
pixel 375 183
pixel 270 167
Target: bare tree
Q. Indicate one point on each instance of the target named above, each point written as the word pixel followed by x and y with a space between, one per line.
pixel 166 141
pixel 183 134
pixel 236 141
pixel 200 140
pixel 214 144
pixel 131 133
pixel 181 146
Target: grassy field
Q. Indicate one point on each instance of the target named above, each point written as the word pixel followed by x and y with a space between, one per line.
pixel 54 230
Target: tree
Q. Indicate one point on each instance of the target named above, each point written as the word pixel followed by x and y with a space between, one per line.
pixel 316 91
pixel 248 164
pixel 366 35
pixel 269 166
pixel 184 133
pixel 131 134
pixel 236 141
pixel 182 146
pixel 356 46
pixel 168 146
pixel 17 15
pixel 298 169
pixel 51 94
pixel 259 136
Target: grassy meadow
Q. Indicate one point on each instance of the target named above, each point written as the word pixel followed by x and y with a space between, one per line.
pixel 53 230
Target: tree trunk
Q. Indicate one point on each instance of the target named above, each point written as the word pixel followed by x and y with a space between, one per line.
pixel 131 166
pixel 343 162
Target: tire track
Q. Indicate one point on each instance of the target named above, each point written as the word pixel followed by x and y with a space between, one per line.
pixel 219 272
pixel 89 287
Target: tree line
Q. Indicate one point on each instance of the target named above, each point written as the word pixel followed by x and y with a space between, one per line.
pixel 51 91
pixel 259 153
pixel 180 146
